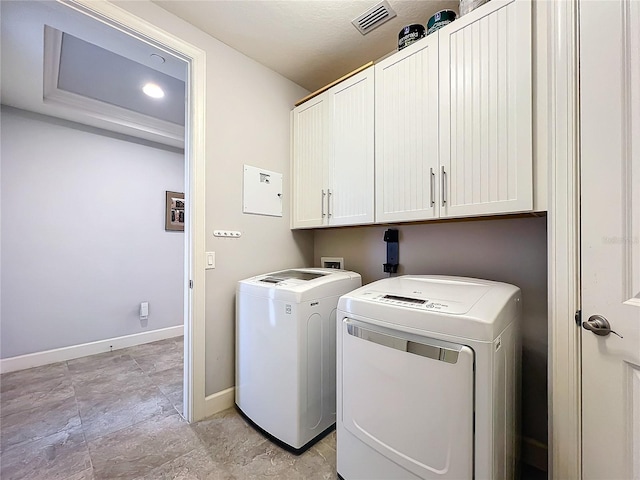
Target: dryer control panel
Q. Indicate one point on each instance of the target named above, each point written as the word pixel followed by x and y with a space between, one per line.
pixel 411 302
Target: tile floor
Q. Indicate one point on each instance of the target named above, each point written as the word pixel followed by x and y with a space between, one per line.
pixel 118 415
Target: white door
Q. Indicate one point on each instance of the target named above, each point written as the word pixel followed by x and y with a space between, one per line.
pixel 406 130
pixel 486 152
pixel 610 151
pixel 350 192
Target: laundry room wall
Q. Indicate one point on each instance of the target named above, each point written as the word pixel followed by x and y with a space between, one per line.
pixel 83 239
pixel 247 122
pixel 511 250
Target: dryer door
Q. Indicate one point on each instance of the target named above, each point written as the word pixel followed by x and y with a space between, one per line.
pixel 410 398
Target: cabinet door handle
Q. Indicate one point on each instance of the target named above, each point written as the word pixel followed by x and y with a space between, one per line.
pixel 432 185
pixel 444 187
pixel 322 203
pixel 329 202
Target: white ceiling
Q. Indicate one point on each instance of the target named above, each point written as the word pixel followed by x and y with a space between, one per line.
pixel 311 42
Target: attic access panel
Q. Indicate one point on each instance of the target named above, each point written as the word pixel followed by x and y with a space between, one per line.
pixel 262 192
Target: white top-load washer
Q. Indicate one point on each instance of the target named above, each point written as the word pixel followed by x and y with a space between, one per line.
pixel 286 351
pixel 428 379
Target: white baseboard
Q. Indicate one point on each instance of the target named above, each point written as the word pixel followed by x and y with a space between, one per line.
pixel 47 357
pixel 220 401
pixel 534 453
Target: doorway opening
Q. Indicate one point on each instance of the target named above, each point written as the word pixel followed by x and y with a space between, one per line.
pixel 191 287
pixel 194 189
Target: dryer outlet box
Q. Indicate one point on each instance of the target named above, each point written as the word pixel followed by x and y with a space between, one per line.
pixel 332 262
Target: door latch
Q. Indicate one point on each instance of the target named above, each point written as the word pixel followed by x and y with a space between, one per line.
pixel 599 325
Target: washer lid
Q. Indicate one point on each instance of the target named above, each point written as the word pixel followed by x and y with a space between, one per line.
pixel 284 275
pixel 301 284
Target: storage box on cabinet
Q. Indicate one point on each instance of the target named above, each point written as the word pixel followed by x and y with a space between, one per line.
pixel 332 156
pixel 454 120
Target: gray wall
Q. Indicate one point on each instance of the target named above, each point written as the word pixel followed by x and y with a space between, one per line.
pixel 507 250
pixel 83 239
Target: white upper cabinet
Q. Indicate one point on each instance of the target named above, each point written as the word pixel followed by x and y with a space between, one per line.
pixel 407 133
pixel 350 195
pixel 486 150
pixel 453 129
pixel 454 119
pixel 310 151
pixel 332 156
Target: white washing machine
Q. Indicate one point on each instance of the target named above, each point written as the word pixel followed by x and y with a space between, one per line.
pixel 286 351
pixel 428 379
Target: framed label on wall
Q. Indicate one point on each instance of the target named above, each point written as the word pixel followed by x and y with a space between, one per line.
pixel 174 211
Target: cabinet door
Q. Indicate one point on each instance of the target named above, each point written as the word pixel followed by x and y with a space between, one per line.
pixel 350 199
pixel 486 111
pixel 310 137
pixel 406 130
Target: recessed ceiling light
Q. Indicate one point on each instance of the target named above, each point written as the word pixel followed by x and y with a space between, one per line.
pixel 153 90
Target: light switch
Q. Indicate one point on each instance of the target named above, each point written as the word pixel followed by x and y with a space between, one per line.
pixel 210 260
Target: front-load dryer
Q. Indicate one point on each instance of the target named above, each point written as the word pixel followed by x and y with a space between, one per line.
pixel 286 351
pixel 428 379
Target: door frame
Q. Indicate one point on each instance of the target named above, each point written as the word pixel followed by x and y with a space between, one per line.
pixel 563 240
pixel 194 267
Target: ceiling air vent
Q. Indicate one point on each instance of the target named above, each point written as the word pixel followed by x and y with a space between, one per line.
pixel 374 17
